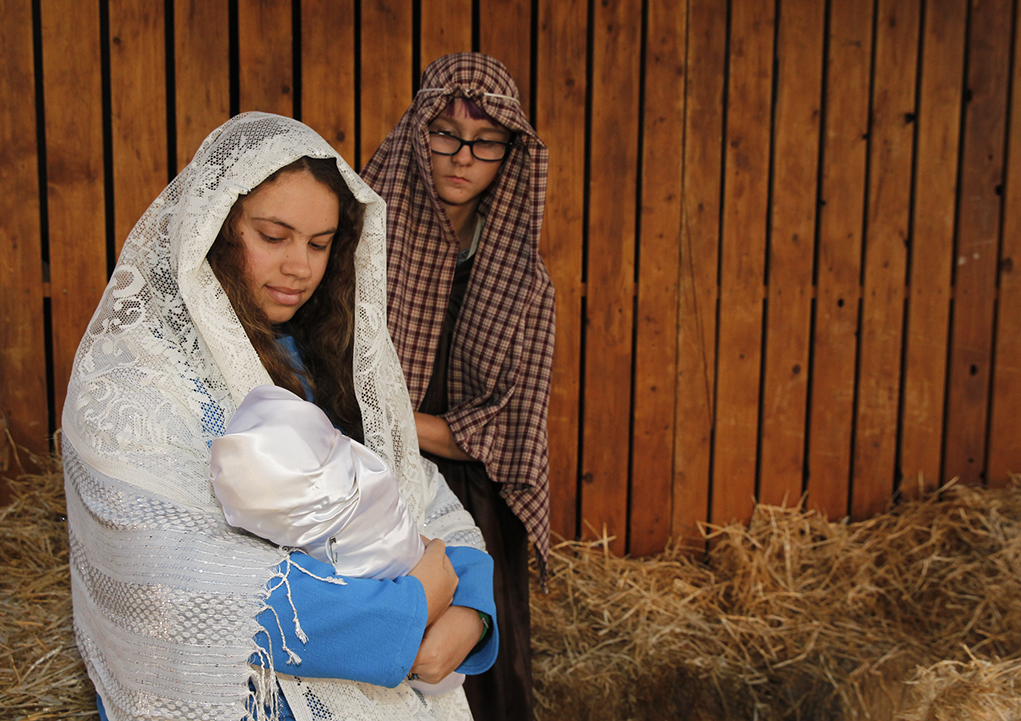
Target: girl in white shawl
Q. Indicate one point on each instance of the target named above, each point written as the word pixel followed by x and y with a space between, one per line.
pixel 177 614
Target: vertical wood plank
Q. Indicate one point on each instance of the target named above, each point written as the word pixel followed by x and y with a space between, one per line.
pixel 23 401
pixel 610 293
pixel 700 237
pixel 978 230
pixel 560 93
pixel 742 258
pixel 201 72
pixel 138 102
pixel 74 175
pixel 265 56
pixel 505 32
pixel 932 245
pixel 841 214
pixel 1004 438
pixel 386 70
pixel 328 72
pixel 658 277
pixel 446 28
pixel 890 154
pixel 792 248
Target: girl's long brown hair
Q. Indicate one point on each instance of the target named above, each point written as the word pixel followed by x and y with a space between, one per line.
pixel 324 326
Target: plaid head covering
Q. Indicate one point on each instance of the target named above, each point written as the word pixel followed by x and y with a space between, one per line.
pixel 502 351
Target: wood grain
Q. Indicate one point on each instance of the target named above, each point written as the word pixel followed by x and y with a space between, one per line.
pixel 1004 438
pixel 658 278
pixel 328 95
pixel 838 271
pixel 932 246
pixel 890 158
pixel 560 93
pixel 75 177
pixel 700 249
pixel 446 27
pixel 505 32
pixel 23 401
pixel 201 72
pixel 791 250
pixel 386 71
pixel 266 56
pixel 742 259
pixel 611 277
pixel 978 231
pixel 138 101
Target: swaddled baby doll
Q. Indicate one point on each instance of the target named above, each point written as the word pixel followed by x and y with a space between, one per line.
pixel 283 472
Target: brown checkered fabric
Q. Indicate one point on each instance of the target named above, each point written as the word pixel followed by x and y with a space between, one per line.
pixel 502 351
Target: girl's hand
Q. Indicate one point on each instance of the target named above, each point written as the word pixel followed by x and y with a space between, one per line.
pixel 447 643
pixel 438 578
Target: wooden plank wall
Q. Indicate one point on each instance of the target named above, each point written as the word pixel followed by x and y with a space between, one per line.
pixel 783 232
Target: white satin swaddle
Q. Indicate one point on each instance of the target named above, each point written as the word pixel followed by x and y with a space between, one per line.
pixel 283 472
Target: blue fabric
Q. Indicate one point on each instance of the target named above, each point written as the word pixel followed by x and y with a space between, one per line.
pixel 291 346
pixel 475 590
pixel 361 616
pixel 376 626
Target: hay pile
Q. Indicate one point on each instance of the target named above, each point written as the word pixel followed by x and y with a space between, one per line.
pixel 41 674
pixel 913 615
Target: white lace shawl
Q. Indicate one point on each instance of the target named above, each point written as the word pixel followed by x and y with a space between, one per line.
pixel 165 593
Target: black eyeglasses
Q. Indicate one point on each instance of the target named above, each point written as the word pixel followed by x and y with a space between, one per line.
pixel 489 151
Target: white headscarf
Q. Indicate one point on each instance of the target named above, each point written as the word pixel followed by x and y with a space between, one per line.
pixel 165 593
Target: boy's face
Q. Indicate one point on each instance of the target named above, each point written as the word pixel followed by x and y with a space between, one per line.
pixel 461 178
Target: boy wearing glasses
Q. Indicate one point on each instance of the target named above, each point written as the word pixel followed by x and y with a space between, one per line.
pixel 470 311
pixel 468 148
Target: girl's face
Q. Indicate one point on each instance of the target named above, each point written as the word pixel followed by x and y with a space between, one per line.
pixel 287 227
pixel 460 179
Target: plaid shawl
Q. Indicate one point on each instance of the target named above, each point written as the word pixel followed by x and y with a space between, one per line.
pixel 502 352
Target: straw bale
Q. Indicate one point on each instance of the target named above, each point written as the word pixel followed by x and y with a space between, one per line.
pixel 794 617
pixel 978 690
pixel 41 674
pixel 910 616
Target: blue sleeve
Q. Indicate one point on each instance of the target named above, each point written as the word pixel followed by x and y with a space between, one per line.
pixel 365 630
pixel 474 570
